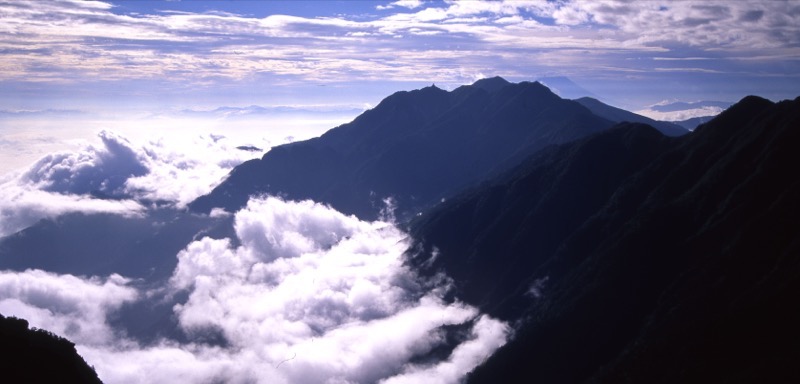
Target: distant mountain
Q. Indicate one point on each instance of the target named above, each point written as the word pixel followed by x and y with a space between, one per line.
pixel 38 356
pixel 102 244
pixel 629 256
pixel 566 88
pixel 416 147
pixel 256 110
pixel 618 115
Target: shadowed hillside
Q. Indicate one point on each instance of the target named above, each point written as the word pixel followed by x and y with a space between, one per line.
pixel 633 257
pixel 38 356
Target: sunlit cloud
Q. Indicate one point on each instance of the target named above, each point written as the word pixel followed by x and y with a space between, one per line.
pixel 116 177
pixel 309 295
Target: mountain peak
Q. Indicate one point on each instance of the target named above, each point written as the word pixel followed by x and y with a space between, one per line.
pixel 745 110
pixel 491 84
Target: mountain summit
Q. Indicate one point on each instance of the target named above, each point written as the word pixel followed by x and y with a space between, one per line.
pixel 491 84
pixel 415 147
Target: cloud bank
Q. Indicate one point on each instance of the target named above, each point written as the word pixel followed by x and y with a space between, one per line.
pixel 308 295
pixel 116 177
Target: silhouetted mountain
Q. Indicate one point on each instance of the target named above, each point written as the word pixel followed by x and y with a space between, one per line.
pixel 618 115
pixel 491 84
pixel 629 256
pixel 416 147
pixel 38 356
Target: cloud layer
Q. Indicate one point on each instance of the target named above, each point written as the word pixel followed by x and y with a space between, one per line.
pixel 308 296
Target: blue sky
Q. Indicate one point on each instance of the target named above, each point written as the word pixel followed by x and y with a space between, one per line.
pixel 129 55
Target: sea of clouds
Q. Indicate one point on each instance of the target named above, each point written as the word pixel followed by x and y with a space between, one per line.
pixel 300 294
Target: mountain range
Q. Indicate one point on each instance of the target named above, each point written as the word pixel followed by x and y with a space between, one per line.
pixel 623 249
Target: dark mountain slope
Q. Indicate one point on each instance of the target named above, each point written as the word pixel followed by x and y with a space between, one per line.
pixel 618 115
pixel 38 356
pixel 660 260
pixel 417 147
pixel 694 122
pixel 520 222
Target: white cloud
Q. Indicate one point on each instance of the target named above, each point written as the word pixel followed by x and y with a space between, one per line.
pixel 325 289
pixel 73 307
pixel 116 177
pixel 487 335
pixel 682 114
pixel 410 4
pixel 104 169
pixel 22 207
pixel 309 296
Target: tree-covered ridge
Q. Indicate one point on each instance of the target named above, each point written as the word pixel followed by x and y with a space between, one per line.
pixel 31 355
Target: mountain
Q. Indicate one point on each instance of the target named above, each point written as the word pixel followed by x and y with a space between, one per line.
pixel 416 147
pixel 102 244
pixel 38 356
pixel 629 256
pixel 565 87
pixel 618 115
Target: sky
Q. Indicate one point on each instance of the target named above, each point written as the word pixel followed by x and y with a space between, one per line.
pixel 265 72
pixel 142 55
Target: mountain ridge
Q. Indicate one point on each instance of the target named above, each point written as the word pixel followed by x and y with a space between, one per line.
pixel 619 115
pixel 431 142
pixel 610 273
pixel 31 355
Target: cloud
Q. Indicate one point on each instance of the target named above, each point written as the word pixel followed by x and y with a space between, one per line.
pixel 72 41
pixel 307 295
pixel 23 204
pixel 410 4
pixel 325 289
pixel 116 177
pixel 103 170
pixel 181 168
pixel 70 306
pixel 681 115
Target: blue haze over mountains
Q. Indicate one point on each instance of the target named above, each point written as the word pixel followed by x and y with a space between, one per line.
pixel 621 248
